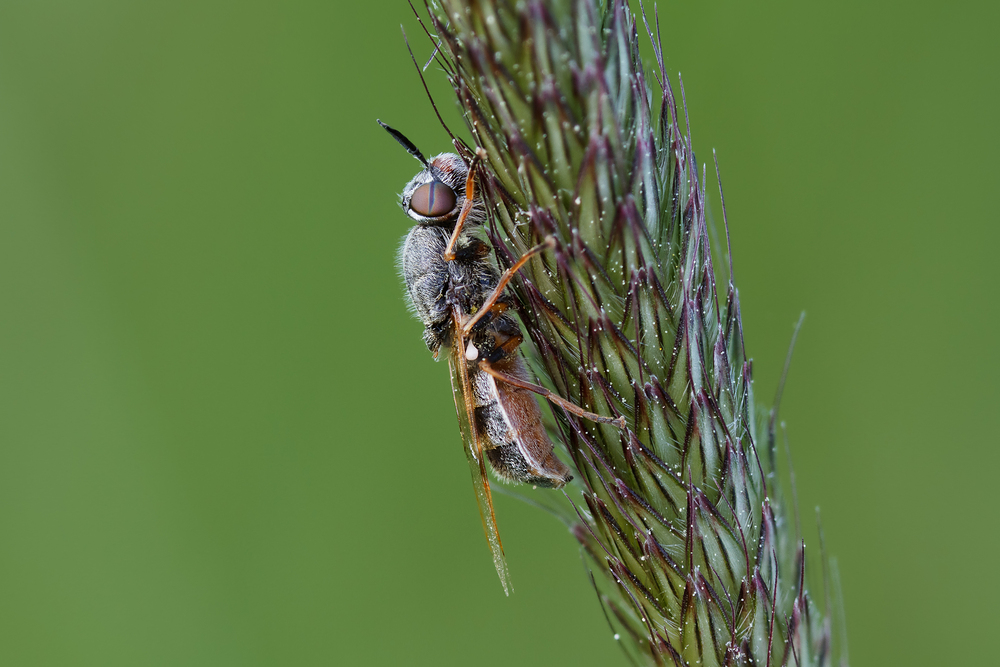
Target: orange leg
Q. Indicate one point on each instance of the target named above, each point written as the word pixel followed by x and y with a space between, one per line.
pixel 558 400
pixel 470 194
pixel 549 242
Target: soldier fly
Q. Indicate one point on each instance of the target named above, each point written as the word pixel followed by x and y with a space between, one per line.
pixel 459 297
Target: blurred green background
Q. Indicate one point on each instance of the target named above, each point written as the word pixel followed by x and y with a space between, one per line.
pixel 222 441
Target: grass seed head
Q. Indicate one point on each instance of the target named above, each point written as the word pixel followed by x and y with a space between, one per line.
pixel 678 515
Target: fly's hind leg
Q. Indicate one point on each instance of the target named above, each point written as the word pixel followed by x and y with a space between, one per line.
pixel 542 391
pixel 509 347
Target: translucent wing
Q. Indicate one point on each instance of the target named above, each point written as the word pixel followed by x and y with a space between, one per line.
pixel 462 391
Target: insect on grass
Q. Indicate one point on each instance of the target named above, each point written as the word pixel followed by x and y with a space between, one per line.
pixel 459 296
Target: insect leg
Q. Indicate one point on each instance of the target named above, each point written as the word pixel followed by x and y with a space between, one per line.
pixel 504 279
pixel 470 194
pixel 555 398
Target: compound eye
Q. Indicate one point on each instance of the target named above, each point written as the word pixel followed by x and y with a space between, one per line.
pixel 432 200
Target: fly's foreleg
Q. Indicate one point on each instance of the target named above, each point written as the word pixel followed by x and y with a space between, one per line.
pixel 470 196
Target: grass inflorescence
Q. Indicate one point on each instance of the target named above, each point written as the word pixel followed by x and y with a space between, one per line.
pixel 679 516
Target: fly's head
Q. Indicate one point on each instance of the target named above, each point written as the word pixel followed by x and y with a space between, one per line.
pixel 436 194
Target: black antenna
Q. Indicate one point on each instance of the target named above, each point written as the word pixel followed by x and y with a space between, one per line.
pixel 405 143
